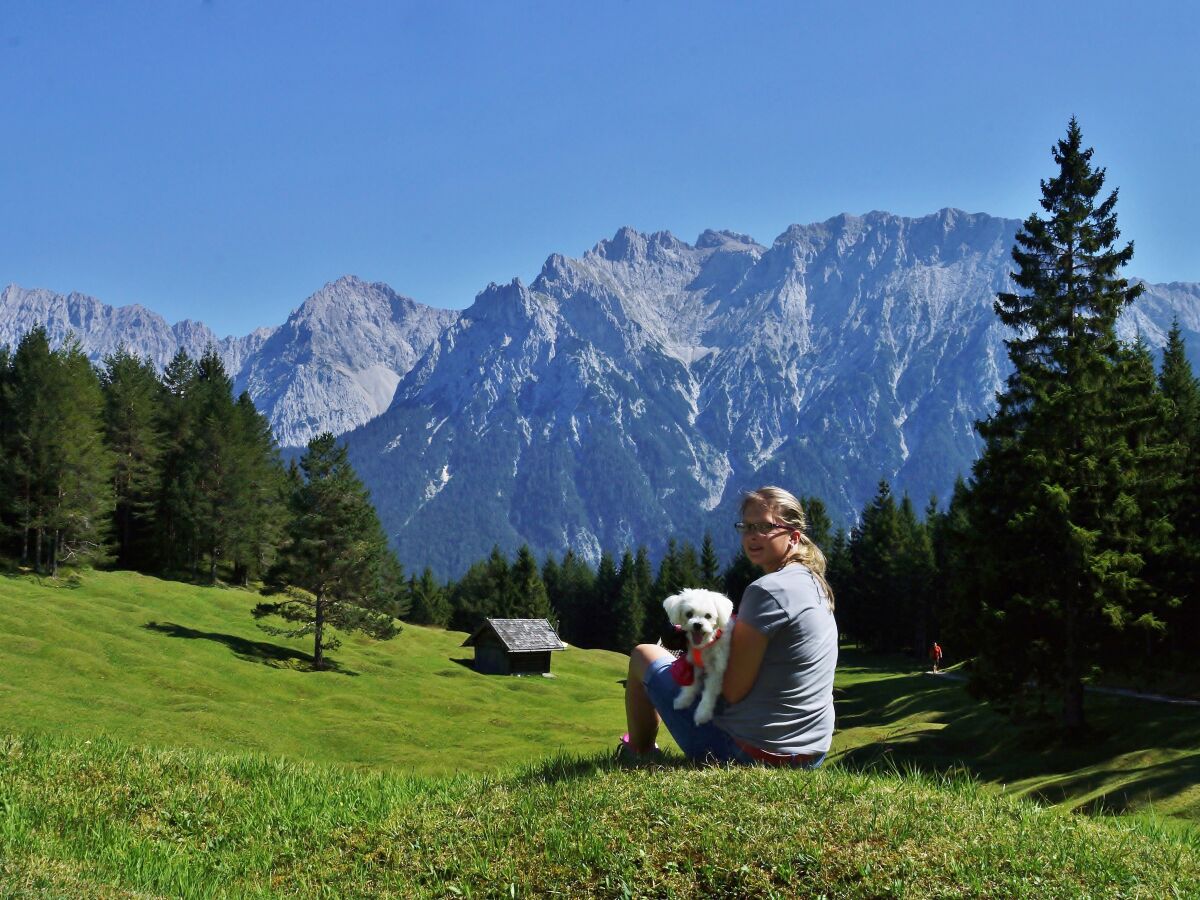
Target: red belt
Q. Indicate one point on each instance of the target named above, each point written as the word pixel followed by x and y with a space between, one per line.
pixel 776 759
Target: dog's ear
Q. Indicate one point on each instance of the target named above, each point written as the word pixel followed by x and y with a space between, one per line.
pixel 672 605
pixel 724 609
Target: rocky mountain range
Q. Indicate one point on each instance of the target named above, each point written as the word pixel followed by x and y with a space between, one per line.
pixel 629 396
pixel 333 365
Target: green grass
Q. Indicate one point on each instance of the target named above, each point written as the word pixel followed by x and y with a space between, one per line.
pixel 103 819
pixel 165 664
pixel 1140 756
pixel 159 744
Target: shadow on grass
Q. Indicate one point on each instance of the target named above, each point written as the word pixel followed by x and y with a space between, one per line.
pixel 1135 751
pixel 262 652
pixel 560 769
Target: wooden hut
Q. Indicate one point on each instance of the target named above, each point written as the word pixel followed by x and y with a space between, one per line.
pixel 514 646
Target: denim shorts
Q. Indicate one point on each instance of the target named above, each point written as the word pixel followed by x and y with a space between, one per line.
pixel 705 743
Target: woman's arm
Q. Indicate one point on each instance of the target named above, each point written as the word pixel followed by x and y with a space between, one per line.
pixel 747 647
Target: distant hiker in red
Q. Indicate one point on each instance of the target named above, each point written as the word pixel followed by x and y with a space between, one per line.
pixel 935 653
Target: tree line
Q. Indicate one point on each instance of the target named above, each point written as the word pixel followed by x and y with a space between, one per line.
pixel 171 475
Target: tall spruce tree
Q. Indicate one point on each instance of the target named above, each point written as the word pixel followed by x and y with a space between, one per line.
pixel 334 568
pixel 654 618
pixel 629 612
pixel 1181 395
pixel 132 424
pixel 176 517
pixel 1057 505
pixel 258 497
pixel 710 564
pixel 7 455
pixel 214 461
pixel 571 596
pixel 429 603
pixel 533 602
pixel 60 496
pixel 868 602
pixel 596 624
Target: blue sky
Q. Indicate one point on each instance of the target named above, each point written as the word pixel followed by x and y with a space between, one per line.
pixel 223 160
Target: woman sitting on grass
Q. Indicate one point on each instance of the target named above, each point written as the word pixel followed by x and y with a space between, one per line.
pixel 777 696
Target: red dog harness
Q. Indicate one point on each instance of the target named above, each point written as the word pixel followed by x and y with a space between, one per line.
pixel 683 670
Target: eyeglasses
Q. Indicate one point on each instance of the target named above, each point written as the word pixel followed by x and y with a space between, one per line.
pixel 762 528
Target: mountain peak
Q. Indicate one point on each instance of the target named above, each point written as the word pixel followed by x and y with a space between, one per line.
pixel 729 240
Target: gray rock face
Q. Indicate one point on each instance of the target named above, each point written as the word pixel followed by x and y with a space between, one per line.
pixel 102 329
pixel 631 395
pixel 331 367
pixel 336 361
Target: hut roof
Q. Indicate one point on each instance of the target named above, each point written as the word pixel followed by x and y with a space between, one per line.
pixel 520 635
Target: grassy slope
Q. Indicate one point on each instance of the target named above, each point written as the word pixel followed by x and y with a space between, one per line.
pixel 102 819
pixel 166 664
pixel 1141 756
pixel 160 663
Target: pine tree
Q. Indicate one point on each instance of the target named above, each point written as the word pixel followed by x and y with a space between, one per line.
pixel 687 567
pixel 214 456
pixel 628 612
pixel 30 441
pixel 1057 504
pixel 429 603
pixel 839 571
pixel 597 622
pixel 1181 394
pixel 501 595
pixel 471 599
pixel 913 566
pixel 132 421
pixel 60 498
pixel 571 595
pixel 532 600
pixel 8 452
pixel 739 575
pixel 257 514
pixel 81 510
pixel 820 526
pixel 670 579
pixel 868 604
pixel 710 564
pixel 653 615
pixel 176 508
pixel 335 564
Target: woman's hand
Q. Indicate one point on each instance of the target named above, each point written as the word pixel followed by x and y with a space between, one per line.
pixel 747 648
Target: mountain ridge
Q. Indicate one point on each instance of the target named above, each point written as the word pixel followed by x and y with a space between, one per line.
pixel 629 394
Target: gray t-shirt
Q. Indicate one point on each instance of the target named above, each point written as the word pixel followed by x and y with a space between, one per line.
pixel 790 707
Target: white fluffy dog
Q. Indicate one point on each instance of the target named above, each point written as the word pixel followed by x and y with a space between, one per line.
pixel 704 617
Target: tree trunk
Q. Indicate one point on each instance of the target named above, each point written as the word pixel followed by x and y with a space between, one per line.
pixel 37 550
pixel 54 553
pixel 1072 716
pixel 25 531
pixel 318 634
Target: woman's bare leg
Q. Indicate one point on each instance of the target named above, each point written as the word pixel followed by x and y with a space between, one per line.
pixel 640 714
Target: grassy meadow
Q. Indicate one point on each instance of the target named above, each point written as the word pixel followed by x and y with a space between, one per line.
pixel 165 664
pixel 156 742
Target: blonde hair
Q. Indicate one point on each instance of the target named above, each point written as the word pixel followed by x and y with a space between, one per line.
pixel 786 509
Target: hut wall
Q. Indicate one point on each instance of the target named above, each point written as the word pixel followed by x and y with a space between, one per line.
pixel 530 663
pixel 491 659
